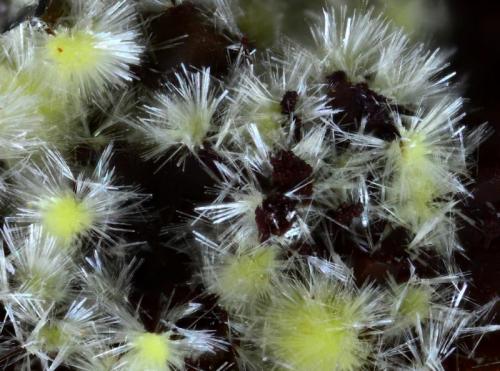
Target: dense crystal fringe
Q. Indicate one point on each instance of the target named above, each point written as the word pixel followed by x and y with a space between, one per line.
pixel 327 166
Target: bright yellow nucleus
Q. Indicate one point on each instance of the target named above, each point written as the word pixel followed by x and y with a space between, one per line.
pixel 313 334
pixel 66 217
pixel 73 52
pixel 150 350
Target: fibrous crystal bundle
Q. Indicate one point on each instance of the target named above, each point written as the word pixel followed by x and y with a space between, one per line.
pixel 186 187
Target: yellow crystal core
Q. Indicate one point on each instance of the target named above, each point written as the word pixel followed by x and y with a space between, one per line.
pixel 73 52
pixel 152 349
pixel 66 217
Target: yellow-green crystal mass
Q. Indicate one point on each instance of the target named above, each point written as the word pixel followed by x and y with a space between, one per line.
pixel 73 52
pixel 152 349
pixel 268 119
pixel 415 187
pixel 309 334
pixel 416 303
pixel 195 130
pixel 42 284
pixel 66 217
pixel 52 337
pixel 248 276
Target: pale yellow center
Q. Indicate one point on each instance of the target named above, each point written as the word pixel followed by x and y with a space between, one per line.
pixel 52 337
pixel 416 303
pixel 52 106
pixel 198 127
pixel 73 52
pixel 268 119
pixel 66 217
pixel 415 186
pixel 42 284
pixel 248 276
pixel 315 335
pixel 152 349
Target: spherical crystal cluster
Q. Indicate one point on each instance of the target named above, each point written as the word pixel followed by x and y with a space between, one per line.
pixel 184 187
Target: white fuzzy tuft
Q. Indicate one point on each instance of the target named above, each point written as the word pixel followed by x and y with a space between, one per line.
pixel 182 117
